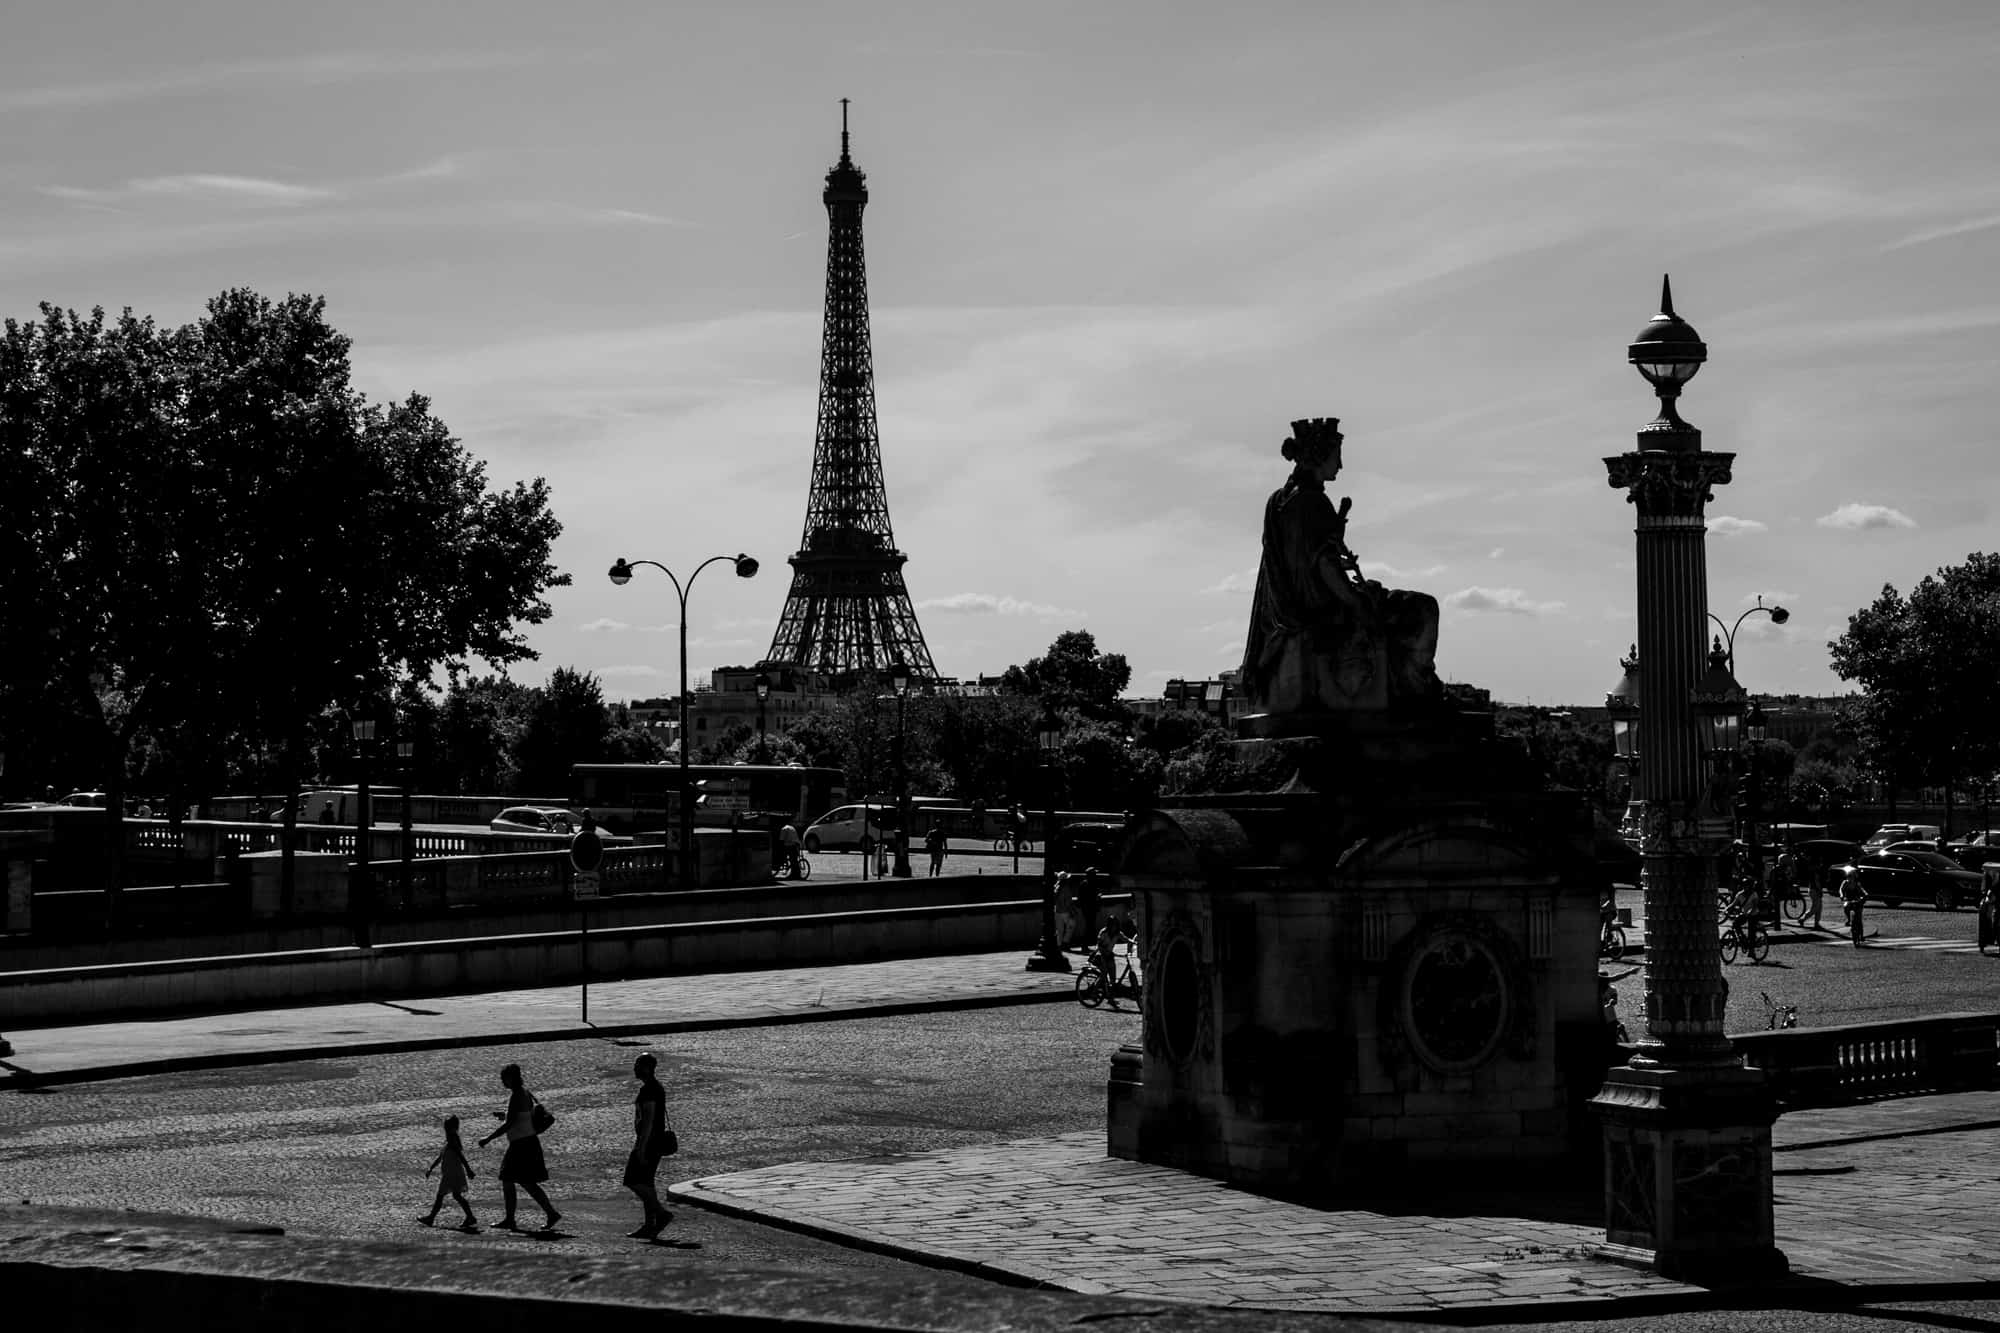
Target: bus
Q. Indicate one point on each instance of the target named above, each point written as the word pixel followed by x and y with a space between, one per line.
pixel 633 798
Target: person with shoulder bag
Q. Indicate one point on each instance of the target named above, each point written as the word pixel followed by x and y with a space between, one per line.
pixel 523 1122
pixel 652 1140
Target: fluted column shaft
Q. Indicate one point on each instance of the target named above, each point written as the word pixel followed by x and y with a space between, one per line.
pixel 1669 480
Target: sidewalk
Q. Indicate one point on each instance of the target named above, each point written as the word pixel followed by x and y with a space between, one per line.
pixel 1895 1200
pixel 621 1008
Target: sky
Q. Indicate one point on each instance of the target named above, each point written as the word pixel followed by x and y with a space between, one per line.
pixel 1113 250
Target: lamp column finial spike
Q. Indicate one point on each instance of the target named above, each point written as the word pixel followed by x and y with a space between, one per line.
pixel 1667 295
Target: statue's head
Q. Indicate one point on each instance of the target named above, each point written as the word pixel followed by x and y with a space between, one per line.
pixel 1315 445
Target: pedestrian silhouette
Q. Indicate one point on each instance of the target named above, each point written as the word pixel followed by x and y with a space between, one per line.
pixel 453 1171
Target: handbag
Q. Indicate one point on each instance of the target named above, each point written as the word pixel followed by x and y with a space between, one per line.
pixel 541 1119
pixel 670 1143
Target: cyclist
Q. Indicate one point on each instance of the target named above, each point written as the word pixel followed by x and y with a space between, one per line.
pixel 788 852
pixel 1851 897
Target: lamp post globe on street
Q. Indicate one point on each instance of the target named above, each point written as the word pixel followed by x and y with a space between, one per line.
pixel 362 890
pixel 763 686
pixel 899 680
pixel 1048 955
pixel 621 574
pixel 406 750
pixel 1684 1107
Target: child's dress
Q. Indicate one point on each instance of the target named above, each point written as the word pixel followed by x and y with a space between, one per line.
pixel 451 1169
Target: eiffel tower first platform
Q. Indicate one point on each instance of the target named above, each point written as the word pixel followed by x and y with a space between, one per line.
pixel 848 614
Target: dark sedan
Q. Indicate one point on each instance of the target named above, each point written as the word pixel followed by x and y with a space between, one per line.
pixel 1895 878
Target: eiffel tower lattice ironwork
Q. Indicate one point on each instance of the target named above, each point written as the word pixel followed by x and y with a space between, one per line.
pixel 848 612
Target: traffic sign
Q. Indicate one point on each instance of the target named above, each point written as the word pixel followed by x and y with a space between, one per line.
pixel 586 884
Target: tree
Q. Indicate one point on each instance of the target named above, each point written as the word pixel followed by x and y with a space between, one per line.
pixel 1929 669
pixel 565 723
pixel 211 537
pixel 1074 675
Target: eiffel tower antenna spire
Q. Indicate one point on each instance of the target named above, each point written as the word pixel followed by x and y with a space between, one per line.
pixel 848 613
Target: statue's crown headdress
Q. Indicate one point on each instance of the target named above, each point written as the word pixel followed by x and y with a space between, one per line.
pixel 1314 437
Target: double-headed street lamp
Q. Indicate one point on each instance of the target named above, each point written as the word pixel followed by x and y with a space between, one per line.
pixel 621 574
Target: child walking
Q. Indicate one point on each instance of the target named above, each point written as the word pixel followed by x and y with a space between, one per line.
pixel 456 1171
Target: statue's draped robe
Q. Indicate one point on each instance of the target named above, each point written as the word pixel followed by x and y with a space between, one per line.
pixel 1322 638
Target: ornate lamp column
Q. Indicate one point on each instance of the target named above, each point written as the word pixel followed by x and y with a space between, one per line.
pixel 1687 1128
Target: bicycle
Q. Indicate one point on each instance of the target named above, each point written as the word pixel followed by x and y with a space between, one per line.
pixel 1611 938
pixel 1093 991
pixel 1745 934
pixel 1778 1016
pixel 794 867
pixel 1793 903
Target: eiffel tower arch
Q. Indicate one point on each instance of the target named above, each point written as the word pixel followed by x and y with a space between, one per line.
pixel 848 613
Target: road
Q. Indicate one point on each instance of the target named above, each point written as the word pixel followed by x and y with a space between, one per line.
pixel 338 1147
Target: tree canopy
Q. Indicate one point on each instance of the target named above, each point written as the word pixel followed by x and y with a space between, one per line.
pixel 1929 668
pixel 212 538
pixel 1074 675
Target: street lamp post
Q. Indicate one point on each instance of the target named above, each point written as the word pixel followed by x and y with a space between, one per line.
pixel 763 693
pixel 899 680
pixel 1779 615
pixel 1687 1127
pixel 1048 955
pixel 363 888
pixel 406 750
pixel 621 574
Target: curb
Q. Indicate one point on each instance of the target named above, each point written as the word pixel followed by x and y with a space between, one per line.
pixel 27 1080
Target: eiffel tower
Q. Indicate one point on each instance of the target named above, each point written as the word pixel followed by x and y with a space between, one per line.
pixel 848 613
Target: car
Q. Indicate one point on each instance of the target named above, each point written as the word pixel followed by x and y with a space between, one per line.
pixel 858 826
pixel 1976 848
pixel 536 819
pixel 1895 878
pixel 96 800
pixel 1889 833
pixel 1912 847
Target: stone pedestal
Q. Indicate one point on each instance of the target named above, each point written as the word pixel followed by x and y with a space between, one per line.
pixel 1687 1162
pixel 1384 963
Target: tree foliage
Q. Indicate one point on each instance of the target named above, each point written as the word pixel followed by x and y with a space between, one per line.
pixel 1929 669
pixel 212 538
pixel 1074 676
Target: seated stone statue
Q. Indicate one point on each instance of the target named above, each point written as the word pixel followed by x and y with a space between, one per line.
pixel 1323 638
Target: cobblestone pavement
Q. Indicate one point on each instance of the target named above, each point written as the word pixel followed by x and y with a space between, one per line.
pixel 1893 1194
pixel 655 1004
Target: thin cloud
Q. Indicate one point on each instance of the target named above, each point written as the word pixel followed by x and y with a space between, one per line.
pixel 1377 569
pixel 1770 598
pixel 1724 525
pixel 1241 581
pixel 198 185
pixel 329 68
pixel 1510 601
pixel 603 624
pixel 988 604
pixel 1859 517
pixel 628 669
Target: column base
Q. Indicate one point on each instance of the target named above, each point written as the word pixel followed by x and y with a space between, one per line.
pixel 1687 1172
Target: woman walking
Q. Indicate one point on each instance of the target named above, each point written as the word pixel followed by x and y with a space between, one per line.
pixel 650 1143
pixel 524 1164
